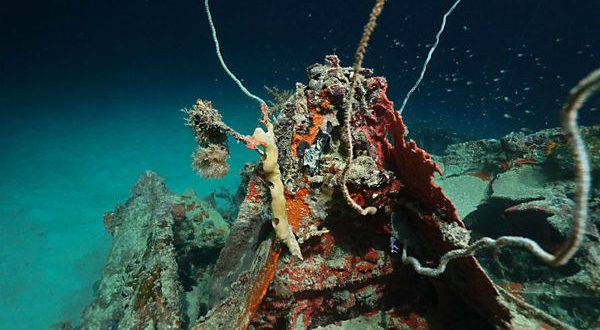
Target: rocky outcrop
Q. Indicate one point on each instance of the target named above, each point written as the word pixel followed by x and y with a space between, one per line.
pixel 156 273
pixel 521 185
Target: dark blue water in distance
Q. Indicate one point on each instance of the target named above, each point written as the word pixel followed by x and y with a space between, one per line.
pixel 90 93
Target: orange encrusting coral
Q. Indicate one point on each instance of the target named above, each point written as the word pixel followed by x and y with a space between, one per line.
pixel 315 119
pixel 253 193
pixel 296 208
pixel 259 289
pixel 358 198
pixel 522 162
pixel 483 175
pixel 548 147
pixel 415 321
pixel 377 196
pixel 513 288
pixel 508 164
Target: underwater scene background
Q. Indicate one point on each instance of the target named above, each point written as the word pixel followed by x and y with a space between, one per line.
pixel 91 94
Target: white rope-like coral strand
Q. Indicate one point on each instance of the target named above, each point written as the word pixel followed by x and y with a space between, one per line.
pixel 218 50
pixel 431 50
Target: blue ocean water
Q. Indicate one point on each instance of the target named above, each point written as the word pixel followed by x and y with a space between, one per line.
pixel 90 95
pixel 60 176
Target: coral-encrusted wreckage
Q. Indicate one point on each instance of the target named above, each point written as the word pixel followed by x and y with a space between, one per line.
pixel 348 271
pixel 171 267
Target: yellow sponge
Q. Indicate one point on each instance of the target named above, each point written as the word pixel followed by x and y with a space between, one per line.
pixel 273 175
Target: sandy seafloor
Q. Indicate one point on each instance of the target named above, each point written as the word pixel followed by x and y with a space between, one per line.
pixel 61 172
